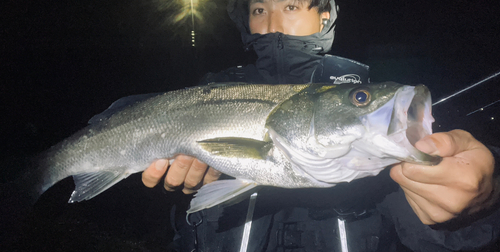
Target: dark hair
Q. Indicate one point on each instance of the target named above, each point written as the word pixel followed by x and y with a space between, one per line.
pixel 323 5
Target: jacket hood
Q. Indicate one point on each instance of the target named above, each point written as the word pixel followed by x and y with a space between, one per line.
pixel 239 13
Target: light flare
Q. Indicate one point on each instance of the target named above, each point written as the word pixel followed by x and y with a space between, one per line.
pixel 189 10
pixel 186 18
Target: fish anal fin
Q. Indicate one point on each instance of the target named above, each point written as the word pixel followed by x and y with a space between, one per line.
pixel 88 185
pixel 222 192
pixel 237 147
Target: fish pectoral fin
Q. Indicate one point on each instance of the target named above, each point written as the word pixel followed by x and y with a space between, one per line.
pixel 88 185
pixel 237 147
pixel 225 192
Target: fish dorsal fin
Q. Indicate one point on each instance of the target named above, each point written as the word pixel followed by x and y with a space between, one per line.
pixel 119 105
pixel 225 192
pixel 236 147
pixel 88 185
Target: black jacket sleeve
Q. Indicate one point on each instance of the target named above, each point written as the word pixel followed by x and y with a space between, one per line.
pixel 469 233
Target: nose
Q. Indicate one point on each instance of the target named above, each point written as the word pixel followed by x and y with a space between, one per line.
pixel 274 22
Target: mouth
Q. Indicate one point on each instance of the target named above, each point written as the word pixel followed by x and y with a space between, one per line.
pixel 411 121
pixel 419 115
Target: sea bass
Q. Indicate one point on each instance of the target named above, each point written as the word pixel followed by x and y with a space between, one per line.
pixel 291 136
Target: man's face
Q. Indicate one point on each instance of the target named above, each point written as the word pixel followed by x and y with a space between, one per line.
pixel 292 17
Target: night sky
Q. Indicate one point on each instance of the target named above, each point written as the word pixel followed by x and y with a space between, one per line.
pixel 61 62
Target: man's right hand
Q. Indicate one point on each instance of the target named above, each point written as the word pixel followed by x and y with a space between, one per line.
pixel 186 173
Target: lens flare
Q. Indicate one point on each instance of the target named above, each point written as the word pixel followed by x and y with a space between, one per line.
pixel 192 21
pixel 189 10
pixel 182 12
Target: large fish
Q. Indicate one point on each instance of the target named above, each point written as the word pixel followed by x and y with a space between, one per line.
pixel 288 136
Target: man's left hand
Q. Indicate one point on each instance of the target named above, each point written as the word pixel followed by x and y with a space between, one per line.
pixel 461 183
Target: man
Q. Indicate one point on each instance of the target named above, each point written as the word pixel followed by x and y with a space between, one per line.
pixel 290 37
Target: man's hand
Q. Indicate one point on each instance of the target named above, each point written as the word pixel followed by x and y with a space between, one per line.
pixel 461 183
pixel 185 172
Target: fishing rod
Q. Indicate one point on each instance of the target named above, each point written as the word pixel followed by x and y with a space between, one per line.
pixel 482 108
pixel 469 87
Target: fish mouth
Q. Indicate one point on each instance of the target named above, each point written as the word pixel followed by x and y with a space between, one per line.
pixel 411 120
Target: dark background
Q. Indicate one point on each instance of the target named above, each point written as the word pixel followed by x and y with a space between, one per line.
pixel 61 62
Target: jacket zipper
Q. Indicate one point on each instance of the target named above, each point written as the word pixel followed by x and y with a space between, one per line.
pixel 280 60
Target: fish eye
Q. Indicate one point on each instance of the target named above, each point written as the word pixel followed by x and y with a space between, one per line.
pixel 360 97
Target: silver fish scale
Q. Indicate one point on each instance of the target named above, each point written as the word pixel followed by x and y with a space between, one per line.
pixel 173 123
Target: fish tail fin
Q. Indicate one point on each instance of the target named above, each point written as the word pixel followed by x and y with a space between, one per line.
pixel 14 209
pixel 27 186
pixel 17 198
pixel 222 192
pixel 35 182
pixel 36 177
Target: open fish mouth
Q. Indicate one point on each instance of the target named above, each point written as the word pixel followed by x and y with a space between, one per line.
pixel 411 120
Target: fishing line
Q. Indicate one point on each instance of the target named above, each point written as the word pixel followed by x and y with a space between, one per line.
pixel 469 87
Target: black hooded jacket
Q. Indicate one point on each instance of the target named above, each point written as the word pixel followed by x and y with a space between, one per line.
pixel 375 211
pixel 285 59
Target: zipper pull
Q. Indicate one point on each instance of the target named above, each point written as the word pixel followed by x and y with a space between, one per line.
pixel 194 232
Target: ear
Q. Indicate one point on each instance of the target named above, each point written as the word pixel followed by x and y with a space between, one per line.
pixel 322 16
pixel 325 14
